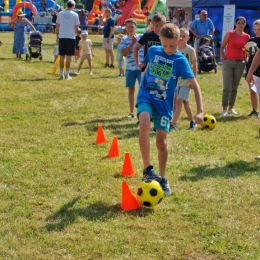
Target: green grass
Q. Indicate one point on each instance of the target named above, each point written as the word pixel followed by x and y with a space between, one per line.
pixel 61 195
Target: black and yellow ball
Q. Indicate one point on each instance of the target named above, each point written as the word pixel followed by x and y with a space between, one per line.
pixel 209 122
pixel 251 48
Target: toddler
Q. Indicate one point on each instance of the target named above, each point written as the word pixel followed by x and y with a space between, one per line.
pixel 205 50
pixel 119 56
pixel 85 51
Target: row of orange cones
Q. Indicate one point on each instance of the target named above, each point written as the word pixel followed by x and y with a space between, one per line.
pixel 129 201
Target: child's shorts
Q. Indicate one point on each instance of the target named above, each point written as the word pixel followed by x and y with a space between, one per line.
pixel 108 46
pixel 86 57
pixel 159 122
pixel 184 93
pixel 121 64
pixel 131 76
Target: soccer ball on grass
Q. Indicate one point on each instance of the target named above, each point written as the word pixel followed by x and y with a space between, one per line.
pixel 149 193
pixel 209 122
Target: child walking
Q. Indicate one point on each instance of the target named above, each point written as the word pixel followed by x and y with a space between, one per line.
pixel 183 87
pixel 56 50
pixel 133 72
pixel 119 56
pixel 156 96
pixel 85 51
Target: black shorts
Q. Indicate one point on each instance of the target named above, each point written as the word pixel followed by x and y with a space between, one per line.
pixel 67 46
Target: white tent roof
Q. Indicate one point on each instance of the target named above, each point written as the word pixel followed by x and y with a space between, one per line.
pixel 179 3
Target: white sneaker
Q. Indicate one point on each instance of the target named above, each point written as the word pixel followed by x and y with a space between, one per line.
pixel 224 113
pixel 257 157
pixel 232 112
pixel 68 77
pixel 77 73
pixel 90 73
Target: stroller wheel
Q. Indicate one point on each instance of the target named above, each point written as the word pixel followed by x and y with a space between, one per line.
pixel 40 58
pixel 199 71
pixel 215 70
pixel 26 57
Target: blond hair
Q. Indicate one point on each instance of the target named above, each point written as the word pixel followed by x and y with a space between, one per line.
pixel 257 22
pixel 130 20
pixel 170 31
pixel 185 30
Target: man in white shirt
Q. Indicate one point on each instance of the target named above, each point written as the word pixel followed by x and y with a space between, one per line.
pixel 67 25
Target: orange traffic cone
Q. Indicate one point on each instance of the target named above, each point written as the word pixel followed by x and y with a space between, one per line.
pixel 113 151
pixel 101 139
pixel 127 170
pixel 129 201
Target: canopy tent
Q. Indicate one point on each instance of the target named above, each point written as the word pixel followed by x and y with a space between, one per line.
pixel 249 9
pixel 179 3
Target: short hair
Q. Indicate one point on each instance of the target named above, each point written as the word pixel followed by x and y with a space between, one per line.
pixel 241 18
pixel 185 30
pixel 159 18
pixel 70 3
pixel 130 20
pixel 170 31
pixel 108 10
pixel 257 22
pixel 206 40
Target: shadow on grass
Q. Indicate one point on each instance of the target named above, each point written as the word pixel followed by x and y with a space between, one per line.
pixel 38 79
pixel 98 211
pixel 231 170
pixel 122 131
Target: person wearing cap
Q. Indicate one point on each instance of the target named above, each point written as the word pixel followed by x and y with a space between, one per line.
pixel 119 55
pixel 200 27
pixel 67 25
pixel 19 26
pixel 85 50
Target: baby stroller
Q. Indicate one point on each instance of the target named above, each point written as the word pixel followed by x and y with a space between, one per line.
pixel 206 59
pixel 35 45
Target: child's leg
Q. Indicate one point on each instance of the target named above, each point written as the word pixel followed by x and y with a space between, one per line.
pixel 177 111
pixel 80 64
pixel 89 65
pixel 254 100
pixel 161 144
pixel 131 98
pixel 187 109
pixel 144 142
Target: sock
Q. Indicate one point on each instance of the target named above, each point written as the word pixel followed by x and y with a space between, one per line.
pixel 67 72
pixel 62 72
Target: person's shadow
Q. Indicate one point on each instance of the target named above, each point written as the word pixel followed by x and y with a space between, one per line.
pixel 231 170
pixel 99 211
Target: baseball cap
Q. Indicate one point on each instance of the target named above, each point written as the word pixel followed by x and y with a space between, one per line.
pixel 84 33
pixel 204 12
pixel 120 36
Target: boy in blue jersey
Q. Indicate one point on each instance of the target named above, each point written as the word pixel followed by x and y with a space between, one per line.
pixel 155 99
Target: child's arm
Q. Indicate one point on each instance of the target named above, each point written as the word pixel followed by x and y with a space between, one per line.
pixel 130 47
pixel 80 47
pixel 92 51
pixel 137 47
pixel 195 86
pixel 194 67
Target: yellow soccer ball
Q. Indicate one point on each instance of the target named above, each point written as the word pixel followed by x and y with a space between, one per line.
pixel 149 193
pixel 209 122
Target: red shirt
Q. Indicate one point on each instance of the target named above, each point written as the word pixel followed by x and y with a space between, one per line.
pixel 235 46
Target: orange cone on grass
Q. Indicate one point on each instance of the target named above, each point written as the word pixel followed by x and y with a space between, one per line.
pixel 129 201
pixel 127 170
pixel 101 139
pixel 113 151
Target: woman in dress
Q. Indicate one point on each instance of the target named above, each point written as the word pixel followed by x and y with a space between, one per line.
pixel 233 57
pixel 19 26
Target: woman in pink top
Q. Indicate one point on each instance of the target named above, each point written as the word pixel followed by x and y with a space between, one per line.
pixel 233 57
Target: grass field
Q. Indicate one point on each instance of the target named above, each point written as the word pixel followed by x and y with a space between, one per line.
pixel 61 195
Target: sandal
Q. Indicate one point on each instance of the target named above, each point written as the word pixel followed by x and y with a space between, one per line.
pixel 111 66
pixel 106 65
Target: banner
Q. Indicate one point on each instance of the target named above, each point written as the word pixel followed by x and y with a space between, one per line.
pixel 228 19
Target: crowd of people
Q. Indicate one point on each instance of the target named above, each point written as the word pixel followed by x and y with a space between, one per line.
pixel 165 65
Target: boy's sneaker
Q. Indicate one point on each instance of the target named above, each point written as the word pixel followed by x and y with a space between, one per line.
pixel 61 77
pixel 77 73
pixel 254 113
pixel 192 125
pixel 91 73
pixel 131 115
pixel 224 113
pixel 68 77
pixel 232 112
pixel 150 174
pixel 165 186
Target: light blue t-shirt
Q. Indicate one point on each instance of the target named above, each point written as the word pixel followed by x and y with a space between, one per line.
pixel 130 61
pixel 202 28
pixel 160 80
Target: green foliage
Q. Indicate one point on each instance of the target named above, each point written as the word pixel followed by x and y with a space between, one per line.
pixel 61 195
